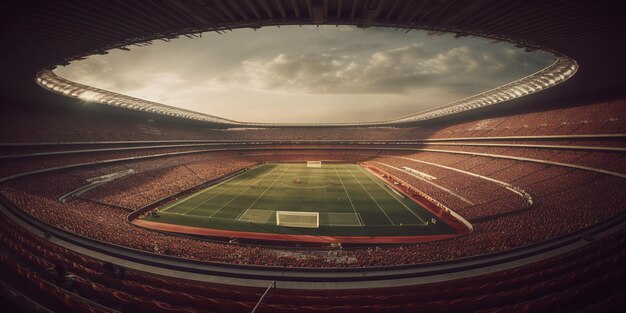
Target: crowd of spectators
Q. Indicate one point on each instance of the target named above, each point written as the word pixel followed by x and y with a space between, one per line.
pixel 19 165
pixel 43 265
pixel 564 199
pixel 158 181
pixel 69 125
pixel 590 142
pixel 598 118
pixel 472 197
pixel 606 160
pixel 567 200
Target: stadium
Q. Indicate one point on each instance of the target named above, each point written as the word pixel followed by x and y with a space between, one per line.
pixel 510 198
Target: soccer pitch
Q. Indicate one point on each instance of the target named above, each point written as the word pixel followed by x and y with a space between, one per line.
pixel 350 200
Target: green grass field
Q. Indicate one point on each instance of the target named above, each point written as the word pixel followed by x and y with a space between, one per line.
pixel 350 200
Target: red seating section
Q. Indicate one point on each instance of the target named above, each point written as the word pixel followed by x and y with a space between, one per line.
pixel 594 271
pixel 564 200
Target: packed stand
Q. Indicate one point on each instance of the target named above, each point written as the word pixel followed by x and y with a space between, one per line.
pixel 567 200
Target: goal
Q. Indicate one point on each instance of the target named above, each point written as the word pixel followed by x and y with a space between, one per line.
pixel 298 219
pixel 314 164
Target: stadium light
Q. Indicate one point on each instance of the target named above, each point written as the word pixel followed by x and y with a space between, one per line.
pixel 562 69
pixel 89 96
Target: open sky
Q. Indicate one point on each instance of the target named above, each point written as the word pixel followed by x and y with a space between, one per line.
pixel 308 73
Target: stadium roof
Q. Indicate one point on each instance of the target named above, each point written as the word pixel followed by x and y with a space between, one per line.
pixel 588 37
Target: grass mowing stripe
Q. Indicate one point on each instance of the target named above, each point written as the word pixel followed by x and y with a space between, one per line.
pixel 349 199
pixel 239 194
pixel 376 180
pixel 304 189
pixel 201 192
pixel 368 193
pixel 266 189
pixel 223 183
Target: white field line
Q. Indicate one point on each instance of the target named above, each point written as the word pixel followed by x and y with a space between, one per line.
pixel 206 217
pixel 239 194
pixel 344 225
pixel 392 196
pixel 211 198
pixel 171 205
pixel 264 191
pixel 250 221
pixel 349 199
pixel 368 193
pixel 242 214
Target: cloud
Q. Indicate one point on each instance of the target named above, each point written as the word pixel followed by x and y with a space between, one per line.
pixel 98 72
pixel 397 70
pixel 356 48
pixel 308 74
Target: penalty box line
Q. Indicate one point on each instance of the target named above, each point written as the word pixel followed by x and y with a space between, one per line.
pixel 239 194
pixel 264 191
pixel 245 217
pixel 241 216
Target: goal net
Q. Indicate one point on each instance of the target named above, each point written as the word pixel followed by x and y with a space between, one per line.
pixel 313 163
pixel 298 219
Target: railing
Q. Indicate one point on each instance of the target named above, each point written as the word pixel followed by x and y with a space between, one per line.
pixel 273 284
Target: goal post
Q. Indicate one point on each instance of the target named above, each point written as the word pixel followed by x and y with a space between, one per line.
pixel 317 164
pixel 298 219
